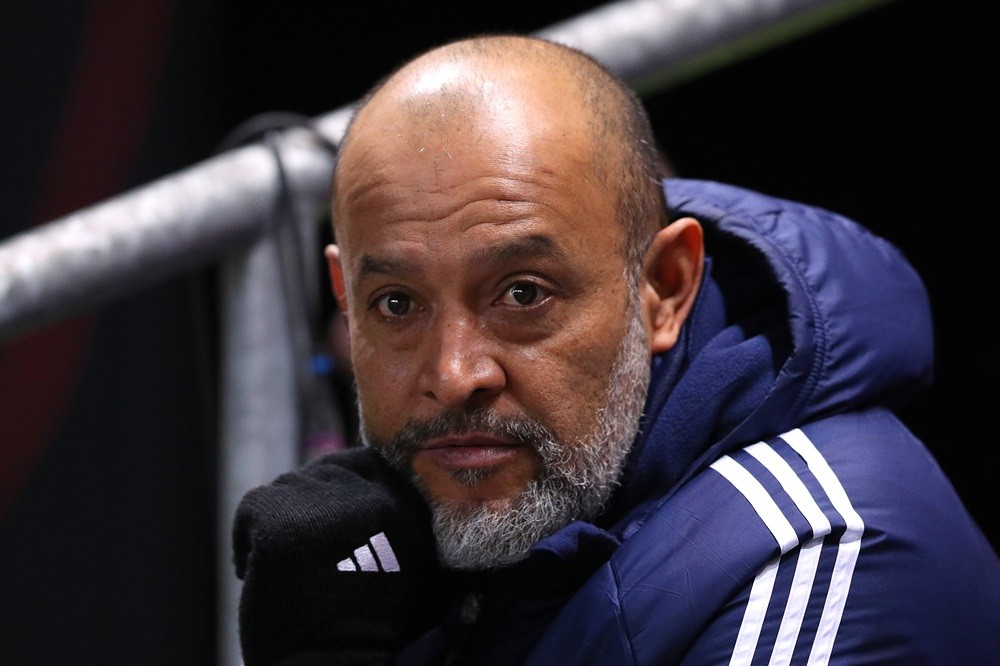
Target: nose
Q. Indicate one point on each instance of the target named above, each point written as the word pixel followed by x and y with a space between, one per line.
pixel 461 368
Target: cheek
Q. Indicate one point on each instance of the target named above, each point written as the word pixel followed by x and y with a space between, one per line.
pixel 564 382
pixel 382 380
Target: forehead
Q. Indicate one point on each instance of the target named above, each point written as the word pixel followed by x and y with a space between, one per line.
pixel 474 213
pixel 443 141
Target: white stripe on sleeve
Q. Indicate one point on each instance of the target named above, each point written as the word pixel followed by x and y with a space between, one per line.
pixel 847 551
pixel 798 599
pixel 761 502
pixel 793 485
pixel 763 584
pixel 808 559
pixel 753 617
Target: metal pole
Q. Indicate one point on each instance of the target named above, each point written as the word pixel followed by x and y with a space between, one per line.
pixel 259 429
pixel 172 225
pixel 654 44
pixel 260 432
pixel 154 232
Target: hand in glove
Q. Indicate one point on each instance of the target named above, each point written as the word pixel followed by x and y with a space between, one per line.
pixel 338 564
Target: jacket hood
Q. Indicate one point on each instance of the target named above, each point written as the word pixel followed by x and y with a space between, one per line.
pixel 802 313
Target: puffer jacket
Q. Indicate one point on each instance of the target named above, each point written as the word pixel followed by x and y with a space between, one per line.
pixel 774 510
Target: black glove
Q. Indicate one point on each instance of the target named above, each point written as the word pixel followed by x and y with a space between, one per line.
pixel 338 563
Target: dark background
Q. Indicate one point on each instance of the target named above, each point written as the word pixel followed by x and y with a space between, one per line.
pixel 107 440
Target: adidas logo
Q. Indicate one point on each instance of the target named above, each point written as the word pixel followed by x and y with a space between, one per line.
pixel 376 555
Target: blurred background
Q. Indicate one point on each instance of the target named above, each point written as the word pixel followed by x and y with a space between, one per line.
pixel 109 418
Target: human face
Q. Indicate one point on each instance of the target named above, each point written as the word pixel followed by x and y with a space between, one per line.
pixel 481 269
pixel 575 480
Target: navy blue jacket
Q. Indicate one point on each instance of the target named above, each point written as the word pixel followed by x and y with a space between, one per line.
pixel 773 509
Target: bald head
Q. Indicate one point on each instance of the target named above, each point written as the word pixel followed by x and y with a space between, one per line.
pixel 519 97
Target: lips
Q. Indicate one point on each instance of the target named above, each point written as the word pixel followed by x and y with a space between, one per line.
pixel 470 451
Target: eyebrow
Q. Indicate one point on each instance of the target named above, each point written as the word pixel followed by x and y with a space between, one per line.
pixel 534 246
pixel 382 266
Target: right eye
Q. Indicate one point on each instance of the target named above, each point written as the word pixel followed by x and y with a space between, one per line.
pixel 393 305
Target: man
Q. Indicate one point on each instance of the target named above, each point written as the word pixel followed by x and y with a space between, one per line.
pixel 600 425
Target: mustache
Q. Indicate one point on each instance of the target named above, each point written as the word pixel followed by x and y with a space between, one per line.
pixel 417 432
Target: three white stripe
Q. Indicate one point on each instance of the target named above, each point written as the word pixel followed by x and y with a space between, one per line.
pixel 376 555
pixel 808 558
pixel 847 552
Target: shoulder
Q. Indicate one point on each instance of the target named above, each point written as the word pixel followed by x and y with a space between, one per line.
pixel 837 537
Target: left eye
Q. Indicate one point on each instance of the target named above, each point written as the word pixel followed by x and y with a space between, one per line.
pixel 394 305
pixel 520 294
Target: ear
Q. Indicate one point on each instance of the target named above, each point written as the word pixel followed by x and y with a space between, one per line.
pixel 332 253
pixel 672 273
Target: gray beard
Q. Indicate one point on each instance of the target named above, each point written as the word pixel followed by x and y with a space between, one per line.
pixel 575 481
